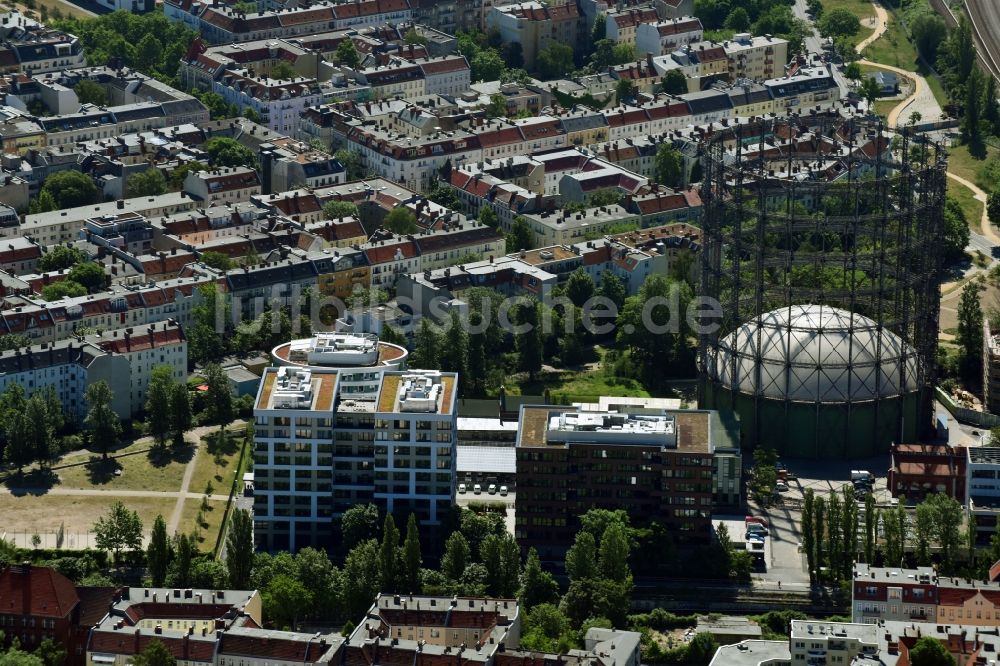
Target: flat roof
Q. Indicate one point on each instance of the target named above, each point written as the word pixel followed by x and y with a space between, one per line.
pixel 490 459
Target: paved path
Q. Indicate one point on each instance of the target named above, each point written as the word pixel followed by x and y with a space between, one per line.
pixel 175 517
pixel 881 25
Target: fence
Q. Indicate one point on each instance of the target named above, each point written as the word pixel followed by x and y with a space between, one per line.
pixel 966 415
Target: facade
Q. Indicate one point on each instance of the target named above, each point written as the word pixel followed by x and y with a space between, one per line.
pixel 661 37
pixel 656 464
pixel 881 593
pixel 338 438
pixel 983 484
pixel 535 26
pixel 918 469
pixel 991 369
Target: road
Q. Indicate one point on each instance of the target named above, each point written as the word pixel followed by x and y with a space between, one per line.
pixel 814 44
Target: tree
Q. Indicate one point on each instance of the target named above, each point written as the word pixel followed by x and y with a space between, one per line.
pixel 411 556
pixel 180 412
pixel 456 341
pixel 219 395
pixel 38 428
pixel 358 524
pixel 389 554
pixel 401 220
pixel 991 108
pixel 50 652
pixel 426 347
pixel 501 557
pixel 612 289
pixel 497 108
pixel 70 189
pixel 614 553
pixel 537 585
pixel 600 29
pixel 225 152
pixel 971 128
pixel 669 164
pixel 737 20
pixel 240 549
pixel 119 530
pixel 702 648
pixel 284 71
pixel 456 556
pixel 488 217
pixel 181 567
pixel 956 228
pixel 924 532
pixel 347 54
pixel 60 257
pixel 147 183
pixel 929 651
pixel 89 91
pixel 178 175
pixel 336 210
pixel 869 91
pixel 945 518
pixel 993 207
pixel 625 90
pixel 970 330
pixel 158 552
pixel 414 37
pixel 674 82
pixel 216 260
pixel 286 600
pixel 63 289
pixel 155 654
pixel 149 52
pixel 870 518
pixel 101 421
pixel 521 237
pixel 581 558
pixel 853 72
pixel 928 31
pixel 90 274
pixel 529 341
pixel 161 386
pixel 579 287
pixel 555 61
pixel 487 65
pixel 656 336
pixel 353 163
pixel 361 577
pixel 838 23
pixel 808 531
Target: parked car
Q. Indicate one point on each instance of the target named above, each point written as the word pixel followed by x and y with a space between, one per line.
pixel 503 491
pixel 477 489
pixel 492 490
pixel 462 488
pixel 781 487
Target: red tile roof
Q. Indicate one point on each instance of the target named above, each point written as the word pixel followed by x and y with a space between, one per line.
pixel 36 591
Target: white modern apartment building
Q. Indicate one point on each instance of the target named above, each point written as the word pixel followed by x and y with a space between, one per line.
pixel 328 439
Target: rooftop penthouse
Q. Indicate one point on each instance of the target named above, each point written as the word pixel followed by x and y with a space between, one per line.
pixel 340 350
pixel 612 427
pixel 426 392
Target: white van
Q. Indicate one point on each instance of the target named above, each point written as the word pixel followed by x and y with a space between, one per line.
pixel 492 490
pixel 462 488
pixel 477 489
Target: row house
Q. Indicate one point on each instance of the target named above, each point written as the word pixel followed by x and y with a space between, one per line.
pixel 661 37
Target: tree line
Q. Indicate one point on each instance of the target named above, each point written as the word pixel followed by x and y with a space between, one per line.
pixel 836 532
pixel 486 356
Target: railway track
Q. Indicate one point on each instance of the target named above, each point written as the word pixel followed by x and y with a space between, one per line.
pixel 985 19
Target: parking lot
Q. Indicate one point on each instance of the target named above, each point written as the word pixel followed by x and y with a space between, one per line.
pixel 464 499
pixel 788 565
